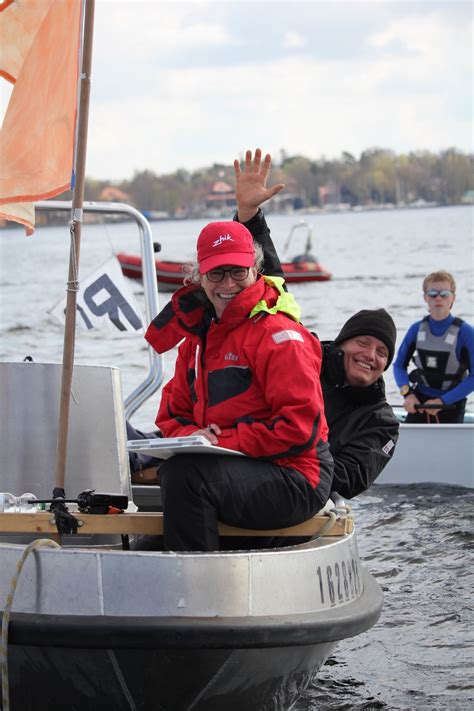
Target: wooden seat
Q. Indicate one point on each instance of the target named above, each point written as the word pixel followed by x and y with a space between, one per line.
pixel 42 523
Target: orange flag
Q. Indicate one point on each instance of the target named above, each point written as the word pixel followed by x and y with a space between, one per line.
pixel 39 53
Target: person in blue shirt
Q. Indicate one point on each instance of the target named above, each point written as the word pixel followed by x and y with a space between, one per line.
pixel 441 347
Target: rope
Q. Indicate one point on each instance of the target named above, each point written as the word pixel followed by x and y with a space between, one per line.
pixel 332 518
pixel 340 507
pixel 73 284
pixel 344 506
pixel 39 543
pixel 107 234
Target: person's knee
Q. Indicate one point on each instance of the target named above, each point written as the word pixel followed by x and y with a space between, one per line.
pixel 178 474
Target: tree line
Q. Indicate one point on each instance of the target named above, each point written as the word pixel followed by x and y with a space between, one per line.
pixel 378 177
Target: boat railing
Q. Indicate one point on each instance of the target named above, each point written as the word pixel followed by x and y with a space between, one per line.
pixel 308 231
pixel 155 375
pixel 401 414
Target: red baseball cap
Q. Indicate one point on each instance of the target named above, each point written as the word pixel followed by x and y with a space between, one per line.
pixel 224 243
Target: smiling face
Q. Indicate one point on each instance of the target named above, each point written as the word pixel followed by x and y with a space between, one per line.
pixel 365 359
pixel 439 306
pixel 221 293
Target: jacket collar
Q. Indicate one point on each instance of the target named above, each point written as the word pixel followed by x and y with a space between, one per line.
pixel 285 302
pixel 189 313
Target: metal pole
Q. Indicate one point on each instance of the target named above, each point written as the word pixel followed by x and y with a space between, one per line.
pixel 75 226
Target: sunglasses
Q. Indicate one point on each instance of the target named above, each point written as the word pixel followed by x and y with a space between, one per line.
pixel 236 273
pixel 433 293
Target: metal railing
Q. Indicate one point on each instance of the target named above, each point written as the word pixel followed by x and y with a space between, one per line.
pixel 156 373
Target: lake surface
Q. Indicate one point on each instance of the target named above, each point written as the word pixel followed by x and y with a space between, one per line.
pixel 376 258
pixel 417 541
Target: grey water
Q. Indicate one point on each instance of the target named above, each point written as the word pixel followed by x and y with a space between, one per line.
pixel 416 540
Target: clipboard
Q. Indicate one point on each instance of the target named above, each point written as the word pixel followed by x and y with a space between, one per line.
pixel 165 447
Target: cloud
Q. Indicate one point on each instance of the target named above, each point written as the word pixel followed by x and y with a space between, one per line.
pixel 293 40
pixel 197 83
pixel 156 30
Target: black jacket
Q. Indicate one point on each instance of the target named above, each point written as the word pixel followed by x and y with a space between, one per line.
pixel 261 234
pixel 363 430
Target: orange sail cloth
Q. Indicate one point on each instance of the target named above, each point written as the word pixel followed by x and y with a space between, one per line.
pixel 39 49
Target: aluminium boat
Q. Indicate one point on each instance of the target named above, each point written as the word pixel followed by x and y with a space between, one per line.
pixel 93 626
pixel 432 454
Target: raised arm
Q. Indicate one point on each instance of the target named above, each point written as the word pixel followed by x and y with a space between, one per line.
pixel 251 184
pixel 251 191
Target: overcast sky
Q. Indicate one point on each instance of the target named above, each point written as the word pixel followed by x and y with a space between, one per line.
pixel 188 84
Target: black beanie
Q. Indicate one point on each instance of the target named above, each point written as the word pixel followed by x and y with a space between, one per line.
pixel 371 322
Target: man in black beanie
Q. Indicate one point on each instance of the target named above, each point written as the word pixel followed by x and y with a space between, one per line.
pixel 363 430
pixel 371 322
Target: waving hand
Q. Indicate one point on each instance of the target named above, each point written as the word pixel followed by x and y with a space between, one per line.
pixel 251 184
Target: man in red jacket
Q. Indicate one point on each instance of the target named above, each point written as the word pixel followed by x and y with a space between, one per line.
pixel 244 379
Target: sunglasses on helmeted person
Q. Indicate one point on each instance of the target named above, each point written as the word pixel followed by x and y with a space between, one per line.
pixel 236 273
pixel 444 293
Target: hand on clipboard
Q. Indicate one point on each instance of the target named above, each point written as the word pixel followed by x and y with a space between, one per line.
pixel 164 447
pixel 210 432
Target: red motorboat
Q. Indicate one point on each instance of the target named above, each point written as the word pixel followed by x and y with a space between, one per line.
pixel 170 275
pixel 302 268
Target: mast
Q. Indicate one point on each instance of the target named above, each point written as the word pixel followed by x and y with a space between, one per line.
pixel 75 234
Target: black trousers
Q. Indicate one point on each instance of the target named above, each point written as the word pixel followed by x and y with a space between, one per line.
pixel 454 414
pixel 198 490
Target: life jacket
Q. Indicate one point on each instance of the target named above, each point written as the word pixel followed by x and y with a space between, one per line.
pixel 437 364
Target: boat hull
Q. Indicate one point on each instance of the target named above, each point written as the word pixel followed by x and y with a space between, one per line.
pixel 301 272
pixel 176 664
pixel 161 679
pixel 432 454
pixel 238 630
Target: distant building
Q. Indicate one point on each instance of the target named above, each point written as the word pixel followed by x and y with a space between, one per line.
pixel 285 202
pixel 329 194
pixel 113 194
pixel 220 200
